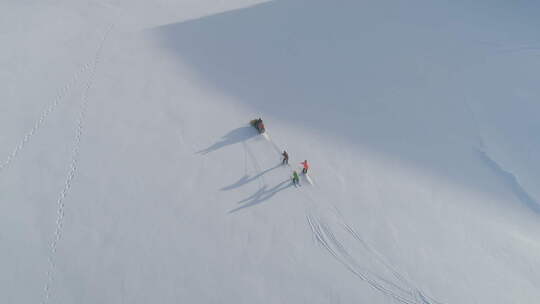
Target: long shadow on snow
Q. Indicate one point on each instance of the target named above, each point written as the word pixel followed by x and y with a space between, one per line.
pixel 262 195
pixel 247 179
pixel 233 137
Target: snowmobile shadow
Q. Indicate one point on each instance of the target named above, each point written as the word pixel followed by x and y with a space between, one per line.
pixel 262 195
pixel 247 179
pixel 235 136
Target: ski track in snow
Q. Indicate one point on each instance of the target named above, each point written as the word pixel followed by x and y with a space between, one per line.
pixel 37 125
pixel 72 172
pixel 324 232
pixel 533 47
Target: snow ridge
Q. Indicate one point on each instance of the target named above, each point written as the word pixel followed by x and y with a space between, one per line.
pixel 512 180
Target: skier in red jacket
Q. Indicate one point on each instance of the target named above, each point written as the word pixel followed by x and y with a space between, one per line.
pixel 305 166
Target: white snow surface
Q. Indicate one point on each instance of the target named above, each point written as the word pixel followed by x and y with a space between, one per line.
pixel 129 173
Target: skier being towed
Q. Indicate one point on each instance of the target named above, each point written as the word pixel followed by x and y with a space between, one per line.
pixel 285 158
pixel 305 166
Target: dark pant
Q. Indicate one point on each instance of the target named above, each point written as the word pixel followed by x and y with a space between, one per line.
pixel 285 161
pixel 304 170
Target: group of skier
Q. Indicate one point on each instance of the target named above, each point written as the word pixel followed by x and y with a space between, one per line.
pixel 305 167
pixel 259 125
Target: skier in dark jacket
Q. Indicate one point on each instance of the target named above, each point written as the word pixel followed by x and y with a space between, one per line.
pixel 285 158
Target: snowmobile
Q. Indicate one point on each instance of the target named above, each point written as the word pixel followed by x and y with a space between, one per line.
pixel 258 124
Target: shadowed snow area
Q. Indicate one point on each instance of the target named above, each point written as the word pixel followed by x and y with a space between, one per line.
pixel 129 172
pixel 400 78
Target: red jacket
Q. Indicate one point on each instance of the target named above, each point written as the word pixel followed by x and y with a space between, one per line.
pixel 306 166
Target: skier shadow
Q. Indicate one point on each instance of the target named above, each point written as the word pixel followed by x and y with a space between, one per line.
pixel 233 137
pixel 247 179
pixel 262 195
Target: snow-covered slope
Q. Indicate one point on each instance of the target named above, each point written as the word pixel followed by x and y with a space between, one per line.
pixel 129 173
